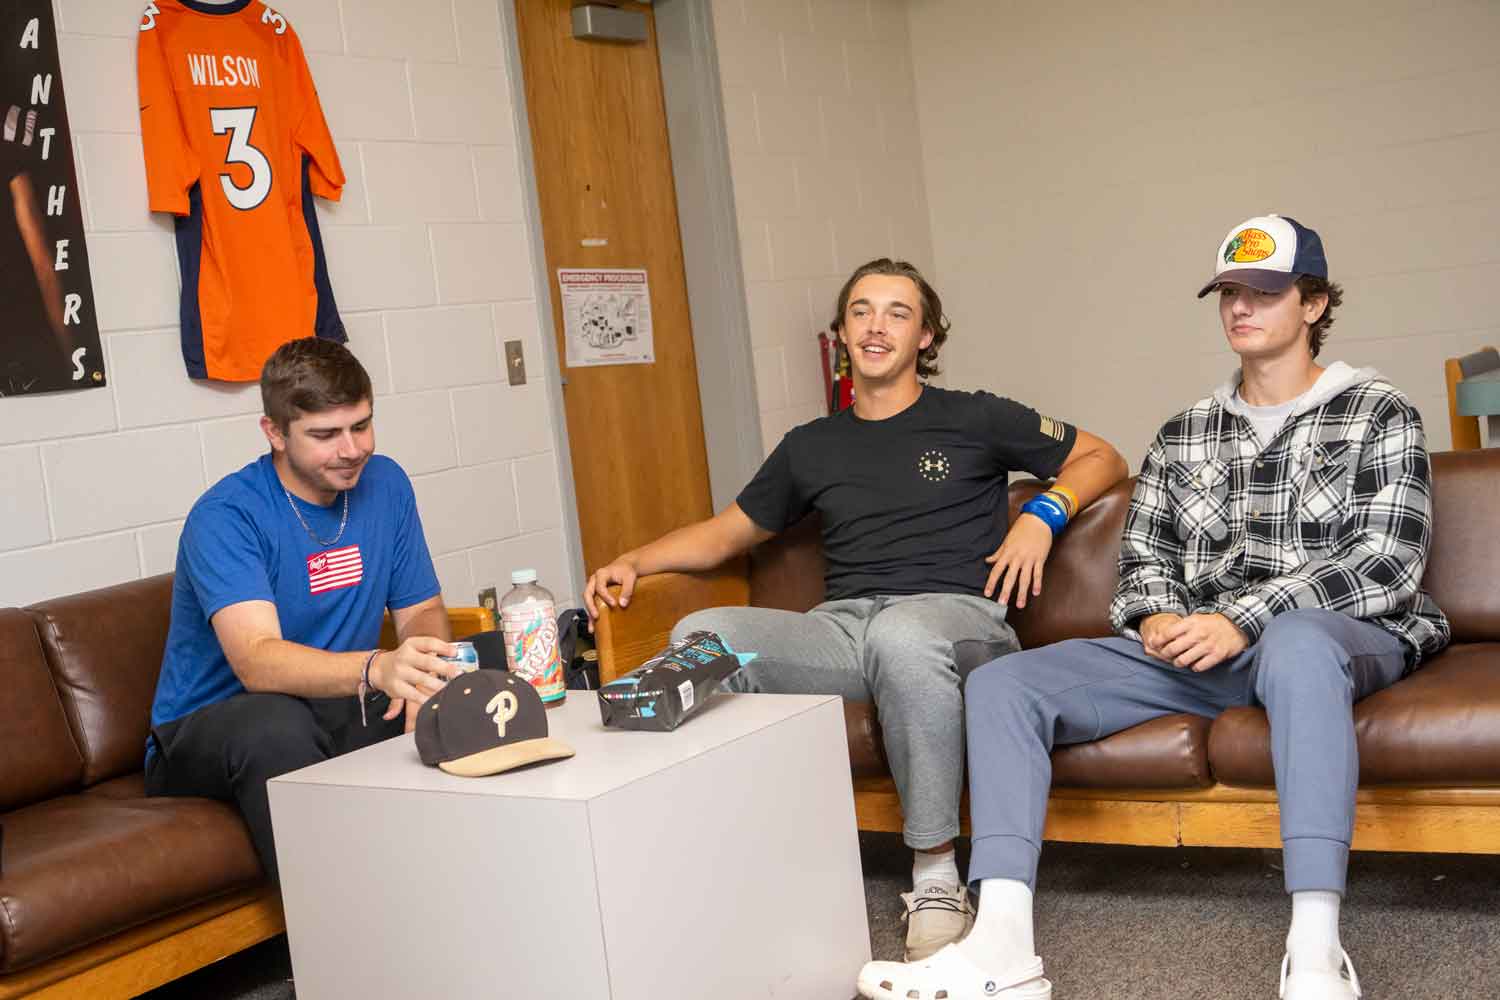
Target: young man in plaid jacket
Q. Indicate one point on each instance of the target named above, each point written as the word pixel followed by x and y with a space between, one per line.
pixel 1273 556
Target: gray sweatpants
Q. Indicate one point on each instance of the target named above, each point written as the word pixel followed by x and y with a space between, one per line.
pixel 897 651
pixel 1307 670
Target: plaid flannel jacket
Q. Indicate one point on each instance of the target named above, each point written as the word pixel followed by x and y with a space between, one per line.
pixel 1335 513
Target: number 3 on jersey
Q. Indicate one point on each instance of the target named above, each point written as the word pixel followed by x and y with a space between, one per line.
pixel 239 122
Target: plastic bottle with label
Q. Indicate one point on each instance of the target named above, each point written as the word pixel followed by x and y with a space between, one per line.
pixel 528 619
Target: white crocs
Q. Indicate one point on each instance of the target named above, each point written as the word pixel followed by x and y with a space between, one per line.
pixel 949 975
pixel 1319 984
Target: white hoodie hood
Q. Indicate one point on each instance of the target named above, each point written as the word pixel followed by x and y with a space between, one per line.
pixel 1335 379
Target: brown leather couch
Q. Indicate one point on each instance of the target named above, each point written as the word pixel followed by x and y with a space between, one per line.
pixel 103 891
pixel 1429 745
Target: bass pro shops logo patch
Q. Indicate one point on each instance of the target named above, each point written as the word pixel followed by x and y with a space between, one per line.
pixel 1249 246
pixel 933 466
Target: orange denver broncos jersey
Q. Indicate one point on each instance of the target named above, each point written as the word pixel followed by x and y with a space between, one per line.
pixel 236 146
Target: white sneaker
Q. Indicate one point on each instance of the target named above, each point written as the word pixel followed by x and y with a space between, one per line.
pixel 949 974
pixel 1319 984
pixel 937 914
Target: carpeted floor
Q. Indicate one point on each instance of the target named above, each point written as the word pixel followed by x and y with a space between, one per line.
pixel 1120 923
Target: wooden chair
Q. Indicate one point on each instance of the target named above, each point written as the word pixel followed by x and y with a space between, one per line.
pixel 1466 429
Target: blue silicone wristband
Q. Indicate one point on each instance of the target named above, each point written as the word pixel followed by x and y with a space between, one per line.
pixel 1049 510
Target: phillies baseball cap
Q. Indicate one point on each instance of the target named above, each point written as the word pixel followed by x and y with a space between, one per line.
pixel 1268 253
pixel 485 722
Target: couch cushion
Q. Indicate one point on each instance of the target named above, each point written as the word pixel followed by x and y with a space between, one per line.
pixel 1169 752
pixel 38 757
pixel 1465 545
pixel 1440 726
pixel 130 786
pixel 79 868
pixel 1081 574
pixel 105 648
pixel 866 745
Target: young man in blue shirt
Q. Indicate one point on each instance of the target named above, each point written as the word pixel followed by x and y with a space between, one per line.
pixel 285 570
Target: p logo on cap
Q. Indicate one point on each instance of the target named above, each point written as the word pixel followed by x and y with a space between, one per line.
pixel 502 708
pixel 485 722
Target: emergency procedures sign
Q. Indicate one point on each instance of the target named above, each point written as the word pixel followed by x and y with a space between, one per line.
pixel 606 316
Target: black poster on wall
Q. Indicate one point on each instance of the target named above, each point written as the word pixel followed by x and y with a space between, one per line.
pixel 49 331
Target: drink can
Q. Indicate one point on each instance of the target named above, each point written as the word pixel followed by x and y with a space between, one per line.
pixel 465 655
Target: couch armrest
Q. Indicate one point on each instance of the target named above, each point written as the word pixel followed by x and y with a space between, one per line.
pixel 462 622
pixel 627 637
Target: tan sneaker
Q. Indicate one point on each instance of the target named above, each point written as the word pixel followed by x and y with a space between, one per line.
pixel 937 913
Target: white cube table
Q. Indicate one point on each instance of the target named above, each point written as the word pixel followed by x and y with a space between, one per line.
pixel 717 862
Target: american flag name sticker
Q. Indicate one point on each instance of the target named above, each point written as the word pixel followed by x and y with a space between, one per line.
pixel 334 569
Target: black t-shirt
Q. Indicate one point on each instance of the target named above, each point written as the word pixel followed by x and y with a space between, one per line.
pixel 911 504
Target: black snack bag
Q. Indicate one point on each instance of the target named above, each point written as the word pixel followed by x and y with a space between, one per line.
pixel 670 686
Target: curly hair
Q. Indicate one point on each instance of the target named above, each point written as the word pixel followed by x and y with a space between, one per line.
pixel 933 319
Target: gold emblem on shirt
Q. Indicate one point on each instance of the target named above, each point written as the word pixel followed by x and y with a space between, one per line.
pixel 933 466
pixel 1053 428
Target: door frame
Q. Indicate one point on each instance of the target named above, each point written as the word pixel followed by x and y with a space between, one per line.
pixel 710 244
pixel 541 284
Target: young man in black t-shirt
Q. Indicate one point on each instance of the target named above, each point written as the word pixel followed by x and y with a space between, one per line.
pixel 910 484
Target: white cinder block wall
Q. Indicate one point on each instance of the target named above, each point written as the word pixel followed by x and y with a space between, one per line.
pixel 827 169
pixel 431 266
pixel 1084 159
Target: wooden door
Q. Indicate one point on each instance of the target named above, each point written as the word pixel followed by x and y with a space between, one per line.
pixel 604 176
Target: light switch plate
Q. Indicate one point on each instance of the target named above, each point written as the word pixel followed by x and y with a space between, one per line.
pixel 515 362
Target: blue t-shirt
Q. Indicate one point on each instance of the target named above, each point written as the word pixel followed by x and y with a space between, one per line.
pixel 243 543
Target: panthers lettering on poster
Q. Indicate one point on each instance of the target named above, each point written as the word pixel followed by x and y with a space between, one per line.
pixel 236 146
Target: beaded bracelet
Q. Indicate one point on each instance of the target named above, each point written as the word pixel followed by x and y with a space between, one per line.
pixel 1050 509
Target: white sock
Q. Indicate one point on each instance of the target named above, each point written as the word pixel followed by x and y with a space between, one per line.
pixel 928 867
pixel 1002 934
pixel 1313 941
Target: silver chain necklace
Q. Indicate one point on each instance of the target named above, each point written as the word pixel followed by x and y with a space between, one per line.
pixel 344 523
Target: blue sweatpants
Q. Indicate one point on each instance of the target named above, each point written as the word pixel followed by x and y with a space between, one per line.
pixel 1307 670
